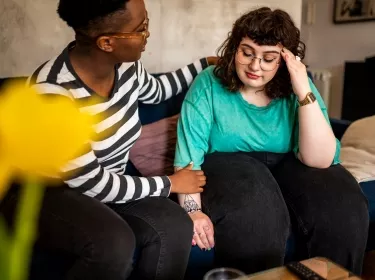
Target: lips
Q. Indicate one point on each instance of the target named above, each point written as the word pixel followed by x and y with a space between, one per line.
pixel 252 76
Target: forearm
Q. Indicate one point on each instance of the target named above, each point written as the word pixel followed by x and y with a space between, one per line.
pixel 317 143
pixel 190 201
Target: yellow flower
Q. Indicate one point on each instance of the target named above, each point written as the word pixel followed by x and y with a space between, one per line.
pixel 39 134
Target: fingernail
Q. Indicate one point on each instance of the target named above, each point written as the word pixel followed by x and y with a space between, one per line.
pixel 282 50
pixel 191 162
pixel 209 249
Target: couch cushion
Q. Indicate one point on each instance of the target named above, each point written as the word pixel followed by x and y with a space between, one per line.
pixel 153 153
pixel 358 149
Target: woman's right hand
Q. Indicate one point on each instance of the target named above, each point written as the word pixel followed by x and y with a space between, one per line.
pixel 203 230
pixel 187 181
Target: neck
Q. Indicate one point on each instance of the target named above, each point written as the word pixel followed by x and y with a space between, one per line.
pixel 86 59
pixel 245 90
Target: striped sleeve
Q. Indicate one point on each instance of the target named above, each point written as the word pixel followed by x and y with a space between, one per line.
pixel 87 176
pixel 155 90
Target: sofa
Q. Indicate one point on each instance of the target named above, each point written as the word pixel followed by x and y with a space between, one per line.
pixel 51 265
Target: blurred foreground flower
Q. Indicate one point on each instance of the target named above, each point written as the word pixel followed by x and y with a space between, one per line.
pixel 38 135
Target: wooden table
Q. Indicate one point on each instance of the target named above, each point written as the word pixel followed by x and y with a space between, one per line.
pixel 324 267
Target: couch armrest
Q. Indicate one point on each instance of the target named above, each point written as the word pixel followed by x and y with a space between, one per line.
pixel 339 127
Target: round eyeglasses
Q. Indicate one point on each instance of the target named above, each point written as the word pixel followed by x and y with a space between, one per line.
pixel 264 63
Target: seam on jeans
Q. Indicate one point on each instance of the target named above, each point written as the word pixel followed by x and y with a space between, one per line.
pixel 146 218
pixel 300 222
pixel 298 218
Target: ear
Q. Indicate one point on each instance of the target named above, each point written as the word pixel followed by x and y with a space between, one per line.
pixel 105 43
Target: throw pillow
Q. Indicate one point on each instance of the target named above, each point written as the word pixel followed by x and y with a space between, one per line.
pixel 358 149
pixel 153 153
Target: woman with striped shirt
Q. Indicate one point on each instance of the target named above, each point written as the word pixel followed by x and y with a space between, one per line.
pixel 103 215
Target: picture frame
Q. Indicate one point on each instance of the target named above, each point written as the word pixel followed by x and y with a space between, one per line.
pixel 350 11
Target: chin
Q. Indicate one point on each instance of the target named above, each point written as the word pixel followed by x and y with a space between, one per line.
pixel 137 57
pixel 253 83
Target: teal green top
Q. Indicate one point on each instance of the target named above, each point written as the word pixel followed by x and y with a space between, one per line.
pixel 214 119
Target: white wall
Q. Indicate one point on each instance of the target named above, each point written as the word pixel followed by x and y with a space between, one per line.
pixel 181 31
pixel 330 45
pixel 30 34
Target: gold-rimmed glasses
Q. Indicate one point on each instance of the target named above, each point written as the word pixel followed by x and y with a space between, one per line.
pixel 131 35
pixel 266 64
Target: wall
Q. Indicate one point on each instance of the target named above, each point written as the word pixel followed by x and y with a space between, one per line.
pixel 181 30
pixel 30 33
pixel 330 45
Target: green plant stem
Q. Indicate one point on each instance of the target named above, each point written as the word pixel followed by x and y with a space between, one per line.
pixel 25 229
pixel 4 249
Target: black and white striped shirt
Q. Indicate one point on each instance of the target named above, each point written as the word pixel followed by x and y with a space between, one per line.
pixel 99 173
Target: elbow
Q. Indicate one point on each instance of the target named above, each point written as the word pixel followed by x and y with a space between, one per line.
pixel 321 165
pixel 320 162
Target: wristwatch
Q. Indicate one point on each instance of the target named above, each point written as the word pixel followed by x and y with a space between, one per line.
pixel 309 99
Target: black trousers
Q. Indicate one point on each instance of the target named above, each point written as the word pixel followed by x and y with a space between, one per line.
pixel 252 197
pixel 103 238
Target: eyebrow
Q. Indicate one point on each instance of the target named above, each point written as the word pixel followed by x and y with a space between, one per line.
pixel 246 45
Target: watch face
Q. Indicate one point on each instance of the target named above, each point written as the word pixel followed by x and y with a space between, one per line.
pixel 312 97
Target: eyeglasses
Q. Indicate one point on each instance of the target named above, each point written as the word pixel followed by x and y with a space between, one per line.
pixel 265 63
pixel 131 35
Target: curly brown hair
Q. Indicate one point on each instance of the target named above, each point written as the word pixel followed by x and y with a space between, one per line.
pixel 264 27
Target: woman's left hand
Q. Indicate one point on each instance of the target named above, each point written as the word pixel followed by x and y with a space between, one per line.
pixel 298 74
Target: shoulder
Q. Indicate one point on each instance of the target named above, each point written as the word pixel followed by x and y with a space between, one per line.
pixel 207 76
pixel 42 73
pixel 52 77
pixel 203 85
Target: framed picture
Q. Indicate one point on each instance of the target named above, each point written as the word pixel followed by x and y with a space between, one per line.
pixel 346 11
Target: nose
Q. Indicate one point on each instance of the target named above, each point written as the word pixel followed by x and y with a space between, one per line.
pixel 255 64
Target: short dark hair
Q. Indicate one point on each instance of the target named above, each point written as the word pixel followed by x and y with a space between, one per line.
pixel 90 15
pixel 264 27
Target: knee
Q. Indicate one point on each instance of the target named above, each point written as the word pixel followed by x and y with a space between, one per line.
pixel 345 215
pixel 172 222
pixel 114 244
pixel 178 225
pixel 273 220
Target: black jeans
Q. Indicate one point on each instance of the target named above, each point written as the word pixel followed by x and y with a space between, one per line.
pixel 103 238
pixel 251 198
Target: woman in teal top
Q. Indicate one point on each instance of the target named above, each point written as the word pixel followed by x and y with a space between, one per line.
pixel 258 128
